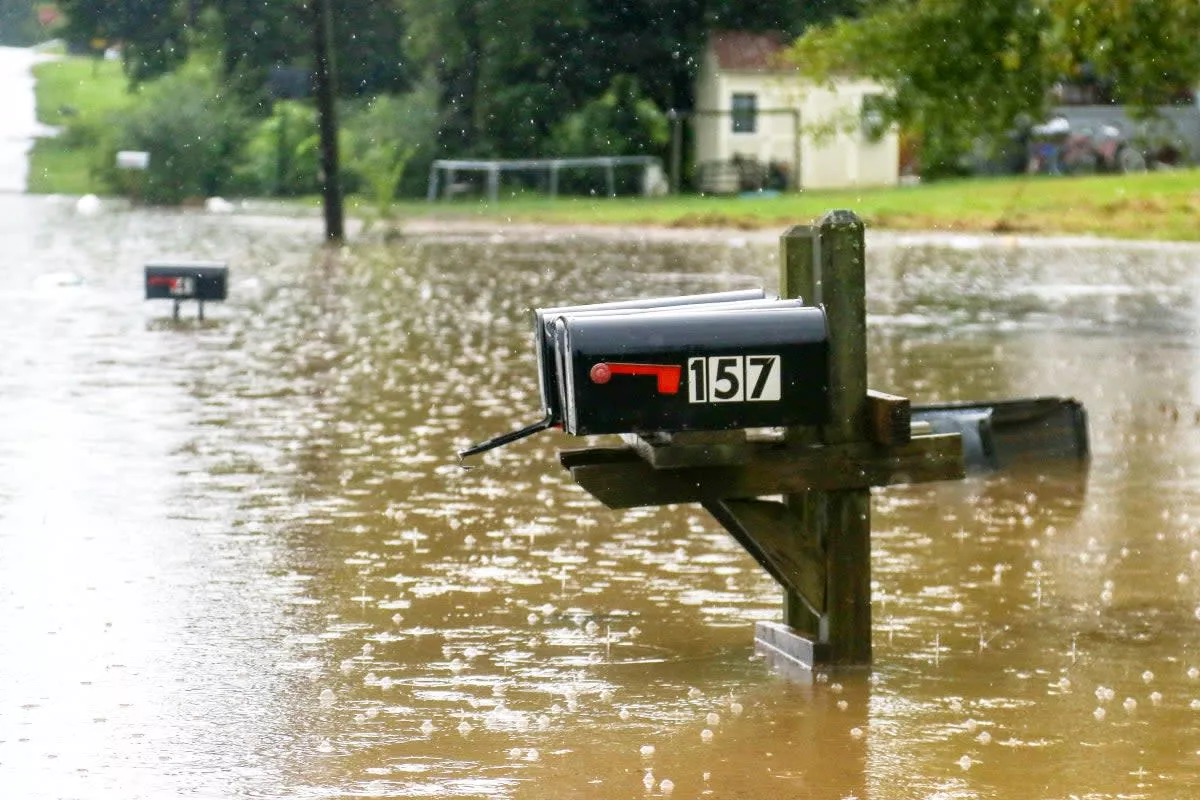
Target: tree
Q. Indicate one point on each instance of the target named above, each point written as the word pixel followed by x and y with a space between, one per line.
pixel 511 70
pixel 1144 49
pixel 961 70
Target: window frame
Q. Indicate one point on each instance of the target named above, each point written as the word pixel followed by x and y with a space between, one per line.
pixel 743 113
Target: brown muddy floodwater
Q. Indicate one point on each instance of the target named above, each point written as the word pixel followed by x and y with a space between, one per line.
pixel 238 558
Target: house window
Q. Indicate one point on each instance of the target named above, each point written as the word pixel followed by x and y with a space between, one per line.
pixel 745 113
pixel 874 122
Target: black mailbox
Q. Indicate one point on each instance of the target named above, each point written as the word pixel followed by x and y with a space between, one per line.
pixel 180 281
pixel 696 363
pixel 693 370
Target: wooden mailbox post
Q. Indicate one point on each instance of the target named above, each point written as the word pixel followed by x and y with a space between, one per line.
pixel 815 538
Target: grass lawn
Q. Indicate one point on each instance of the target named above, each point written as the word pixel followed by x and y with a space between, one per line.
pixel 77 94
pixel 1154 205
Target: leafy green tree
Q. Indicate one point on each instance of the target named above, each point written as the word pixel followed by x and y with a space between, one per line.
pixel 622 121
pixel 960 71
pixel 258 35
pixel 1145 50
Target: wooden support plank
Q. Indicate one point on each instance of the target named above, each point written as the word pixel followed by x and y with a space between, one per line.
pixel 766 529
pixel 620 478
pixel 890 417
pixel 846 625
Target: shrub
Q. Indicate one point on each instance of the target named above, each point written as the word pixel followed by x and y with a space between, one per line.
pixel 389 139
pixel 192 132
pixel 281 156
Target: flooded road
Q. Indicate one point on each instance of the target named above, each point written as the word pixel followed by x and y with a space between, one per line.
pixel 238 558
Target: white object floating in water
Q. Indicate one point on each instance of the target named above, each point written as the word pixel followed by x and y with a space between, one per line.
pixel 427 727
pixel 87 205
pixel 856 733
pixel 965 762
pixel 1130 705
pixel 1099 714
pixel 327 697
pixel 325 746
pixel 648 780
pixel 218 205
pixel 695 694
pixel 666 786
pixel 735 709
pixel 464 727
pixel 647 750
pixel 624 715
pixel 706 735
pixel 1156 697
pixel 713 719
pixel 1148 676
pixel 984 738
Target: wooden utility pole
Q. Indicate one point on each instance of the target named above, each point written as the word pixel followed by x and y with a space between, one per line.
pixel 331 185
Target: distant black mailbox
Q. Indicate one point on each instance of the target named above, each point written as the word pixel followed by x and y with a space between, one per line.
pixel 179 281
pixel 687 364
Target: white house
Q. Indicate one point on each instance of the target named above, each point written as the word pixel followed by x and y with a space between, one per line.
pixel 751 104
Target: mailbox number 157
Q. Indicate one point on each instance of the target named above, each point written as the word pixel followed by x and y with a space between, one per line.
pixel 733 379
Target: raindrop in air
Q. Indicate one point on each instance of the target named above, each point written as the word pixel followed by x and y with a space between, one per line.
pixel 1147 676
pixel 624 714
pixel 984 737
pixel 326 697
pixel 1130 705
pixel 706 735
pixel 1099 714
pixel 713 719
pixel 695 694
pixel 666 786
pixel 647 750
pixel 427 727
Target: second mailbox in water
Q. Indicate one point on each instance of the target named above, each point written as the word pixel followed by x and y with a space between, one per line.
pixel 691 370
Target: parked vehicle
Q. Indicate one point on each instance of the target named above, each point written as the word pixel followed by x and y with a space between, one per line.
pixel 1057 147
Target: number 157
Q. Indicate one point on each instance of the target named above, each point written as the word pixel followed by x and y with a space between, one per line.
pixel 733 379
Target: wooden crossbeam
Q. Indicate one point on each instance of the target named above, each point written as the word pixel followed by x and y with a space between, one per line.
pixel 620 478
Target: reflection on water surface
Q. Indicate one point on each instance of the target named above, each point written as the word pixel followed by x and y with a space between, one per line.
pixel 239 559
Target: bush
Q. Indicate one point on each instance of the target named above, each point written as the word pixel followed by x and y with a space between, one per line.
pixel 389 145
pixel 192 132
pixel 282 154
pixel 621 122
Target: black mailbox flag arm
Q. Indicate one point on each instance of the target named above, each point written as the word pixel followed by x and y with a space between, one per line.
pixel 507 438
